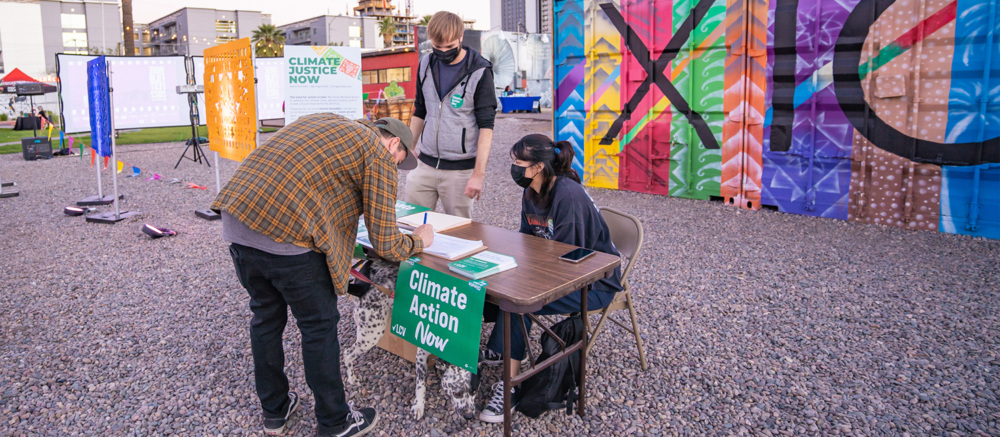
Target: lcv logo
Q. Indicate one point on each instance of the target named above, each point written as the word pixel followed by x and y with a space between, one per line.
pixel 439 313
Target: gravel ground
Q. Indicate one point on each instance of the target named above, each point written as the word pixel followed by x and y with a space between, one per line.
pixel 756 323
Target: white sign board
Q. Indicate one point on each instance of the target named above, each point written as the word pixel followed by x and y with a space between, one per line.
pixel 322 79
pixel 270 87
pixel 145 92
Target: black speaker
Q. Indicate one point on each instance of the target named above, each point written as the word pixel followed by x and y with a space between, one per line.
pixel 30 89
pixel 36 147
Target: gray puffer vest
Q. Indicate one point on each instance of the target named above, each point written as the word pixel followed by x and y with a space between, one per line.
pixel 450 129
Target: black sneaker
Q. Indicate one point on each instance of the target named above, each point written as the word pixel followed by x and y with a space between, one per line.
pixel 493 411
pixel 359 422
pixel 276 426
pixel 492 358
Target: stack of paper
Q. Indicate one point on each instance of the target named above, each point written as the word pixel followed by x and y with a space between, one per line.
pixel 483 264
pixel 443 246
pixel 440 222
pixel 452 248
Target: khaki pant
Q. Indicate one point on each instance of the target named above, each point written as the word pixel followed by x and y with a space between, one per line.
pixel 426 184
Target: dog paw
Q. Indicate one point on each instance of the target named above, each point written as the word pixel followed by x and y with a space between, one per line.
pixel 418 411
pixel 350 376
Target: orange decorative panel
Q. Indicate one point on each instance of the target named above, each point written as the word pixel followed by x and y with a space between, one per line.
pixel 230 99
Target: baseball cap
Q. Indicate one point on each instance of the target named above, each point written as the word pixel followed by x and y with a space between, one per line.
pixel 400 130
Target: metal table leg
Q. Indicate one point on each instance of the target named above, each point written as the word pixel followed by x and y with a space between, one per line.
pixel 507 416
pixel 583 351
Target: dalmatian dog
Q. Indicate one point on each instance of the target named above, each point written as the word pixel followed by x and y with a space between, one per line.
pixel 370 318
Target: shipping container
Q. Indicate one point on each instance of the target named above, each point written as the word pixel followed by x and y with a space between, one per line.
pixel 876 111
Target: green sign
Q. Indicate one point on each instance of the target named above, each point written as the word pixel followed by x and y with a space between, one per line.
pixel 404 209
pixel 456 101
pixel 439 313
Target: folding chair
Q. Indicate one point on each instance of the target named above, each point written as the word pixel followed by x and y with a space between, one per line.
pixel 626 233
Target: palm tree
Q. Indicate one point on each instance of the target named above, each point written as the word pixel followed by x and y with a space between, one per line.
pixel 129 38
pixel 387 29
pixel 424 20
pixel 269 42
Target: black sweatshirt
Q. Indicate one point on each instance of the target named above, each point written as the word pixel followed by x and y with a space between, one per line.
pixel 572 218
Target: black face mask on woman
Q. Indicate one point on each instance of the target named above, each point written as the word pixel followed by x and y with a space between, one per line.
pixel 517 173
pixel 447 56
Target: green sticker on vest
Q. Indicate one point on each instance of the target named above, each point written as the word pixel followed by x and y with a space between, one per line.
pixel 456 101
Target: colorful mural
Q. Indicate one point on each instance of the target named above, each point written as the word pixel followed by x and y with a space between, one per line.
pixel 884 112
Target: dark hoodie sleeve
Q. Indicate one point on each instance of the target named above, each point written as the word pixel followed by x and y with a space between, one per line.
pixel 486 100
pixel 419 107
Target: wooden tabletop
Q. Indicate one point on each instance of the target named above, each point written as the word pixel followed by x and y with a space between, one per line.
pixel 540 276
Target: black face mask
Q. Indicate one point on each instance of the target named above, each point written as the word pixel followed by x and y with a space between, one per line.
pixel 447 56
pixel 517 173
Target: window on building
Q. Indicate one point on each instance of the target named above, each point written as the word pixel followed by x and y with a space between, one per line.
pixel 369 77
pixel 386 75
pixel 225 26
pixel 145 37
pixel 301 34
pixel 398 74
pixel 75 39
pixel 355 43
pixel 354 31
pixel 74 21
pixel 147 51
pixel 223 39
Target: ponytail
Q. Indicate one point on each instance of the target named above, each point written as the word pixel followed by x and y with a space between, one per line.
pixel 557 157
pixel 562 162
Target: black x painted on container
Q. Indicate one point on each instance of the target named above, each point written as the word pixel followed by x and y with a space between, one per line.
pixel 655 72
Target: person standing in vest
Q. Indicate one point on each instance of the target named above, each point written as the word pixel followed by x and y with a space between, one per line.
pixel 452 121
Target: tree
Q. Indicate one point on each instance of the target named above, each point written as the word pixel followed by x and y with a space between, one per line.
pixel 424 20
pixel 269 42
pixel 98 51
pixel 387 29
pixel 128 25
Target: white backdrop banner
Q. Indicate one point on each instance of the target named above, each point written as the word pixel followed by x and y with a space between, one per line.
pixel 144 92
pixel 322 79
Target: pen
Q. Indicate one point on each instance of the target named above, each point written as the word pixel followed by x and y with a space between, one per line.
pixel 425 218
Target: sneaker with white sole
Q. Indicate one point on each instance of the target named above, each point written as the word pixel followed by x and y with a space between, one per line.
pixel 493 411
pixel 359 422
pixel 492 358
pixel 276 426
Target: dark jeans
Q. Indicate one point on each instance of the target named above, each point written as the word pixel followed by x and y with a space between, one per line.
pixel 596 299
pixel 301 282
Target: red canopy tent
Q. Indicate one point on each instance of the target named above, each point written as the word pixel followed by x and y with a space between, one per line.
pixel 15 77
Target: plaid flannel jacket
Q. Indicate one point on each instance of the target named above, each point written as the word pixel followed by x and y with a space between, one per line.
pixel 309 184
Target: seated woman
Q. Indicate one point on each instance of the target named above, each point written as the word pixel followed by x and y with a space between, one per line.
pixel 555 207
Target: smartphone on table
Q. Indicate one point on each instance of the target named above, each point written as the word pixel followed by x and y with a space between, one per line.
pixel 576 255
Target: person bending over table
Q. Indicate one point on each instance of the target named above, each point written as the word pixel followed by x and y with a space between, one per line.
pixel 291 213
pixel 554 206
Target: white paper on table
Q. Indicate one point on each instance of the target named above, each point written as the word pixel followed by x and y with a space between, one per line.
pixel 449 247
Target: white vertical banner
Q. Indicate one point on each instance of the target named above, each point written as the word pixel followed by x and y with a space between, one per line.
pixel 322 79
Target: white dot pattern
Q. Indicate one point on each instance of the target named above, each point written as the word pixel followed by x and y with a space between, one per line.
pixel 912 96
pixel 910 93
